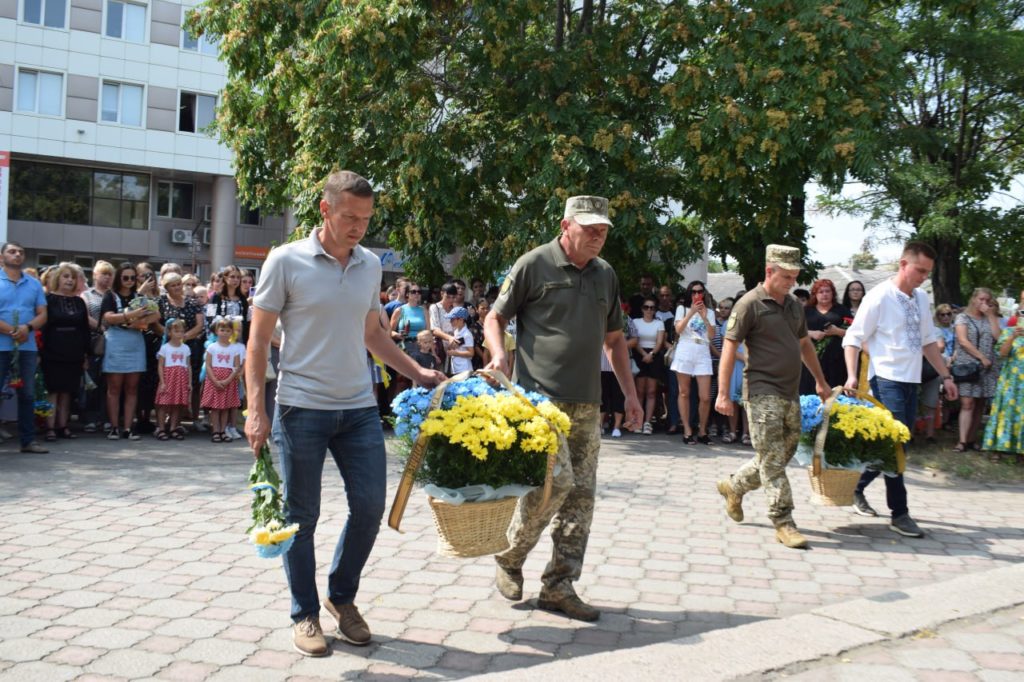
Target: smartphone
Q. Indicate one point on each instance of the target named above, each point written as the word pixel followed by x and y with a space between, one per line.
pixel 698 298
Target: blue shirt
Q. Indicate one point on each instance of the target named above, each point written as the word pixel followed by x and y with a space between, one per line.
pixel 25 296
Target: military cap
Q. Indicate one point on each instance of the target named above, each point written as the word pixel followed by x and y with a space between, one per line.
pixel 786 257
pixel 588 210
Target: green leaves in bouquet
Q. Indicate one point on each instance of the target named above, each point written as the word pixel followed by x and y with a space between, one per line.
pixel 267 504
pixel 453 466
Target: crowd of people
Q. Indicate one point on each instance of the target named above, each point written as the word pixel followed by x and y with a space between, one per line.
pixel 136 351
pixel 676 342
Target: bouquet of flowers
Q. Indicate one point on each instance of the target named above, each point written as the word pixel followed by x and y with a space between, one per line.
pixel 860 434
pixel 821 344
pixel 14 379
pixel 480 436
pixel 268 531
pixel 145 303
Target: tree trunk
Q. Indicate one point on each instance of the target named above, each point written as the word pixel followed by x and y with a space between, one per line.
pixel 946 273
pixel 559 24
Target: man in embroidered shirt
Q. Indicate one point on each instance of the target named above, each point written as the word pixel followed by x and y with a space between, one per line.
pixel 894 326
pixel 325 290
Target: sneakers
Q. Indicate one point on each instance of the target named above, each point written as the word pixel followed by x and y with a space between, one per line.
pixel 733 502
pixel 34 448
pixel 616 433
pixel 233 432
pixel 904 525
pixel 113 434
pixel 788 535
pixel 569 604
pixel 861 506
pixel 308 638
pixel 351 626
pixel 133 435
pixel 90 427
pixel 648 429
pixel 509 582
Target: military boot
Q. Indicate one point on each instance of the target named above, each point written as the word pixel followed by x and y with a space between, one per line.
pixel 733 502
pixel 788 535
pixel 509 582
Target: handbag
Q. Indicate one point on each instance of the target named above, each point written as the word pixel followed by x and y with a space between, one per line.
pixel 98 344
pixel 965 371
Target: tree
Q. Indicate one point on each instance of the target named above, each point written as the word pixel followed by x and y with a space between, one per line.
pixel 476 122
pixel 953 138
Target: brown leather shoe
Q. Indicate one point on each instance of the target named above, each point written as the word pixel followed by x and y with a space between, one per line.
pixel 789 536
pixel 308 638
pixel 351 626
pixel 509 582
pixel 569 604
pixel 733 502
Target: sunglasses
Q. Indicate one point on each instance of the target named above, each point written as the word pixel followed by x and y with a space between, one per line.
pixel 697 291
pixel 128 278
pixel 648 307
pixel 414 291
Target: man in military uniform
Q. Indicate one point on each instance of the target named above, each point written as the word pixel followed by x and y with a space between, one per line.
pixel 565 301
pixel 772 325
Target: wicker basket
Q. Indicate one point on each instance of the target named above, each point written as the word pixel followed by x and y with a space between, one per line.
pixel 833 487
pixel 472 529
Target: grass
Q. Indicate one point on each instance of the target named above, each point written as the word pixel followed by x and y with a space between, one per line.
pixel 970 465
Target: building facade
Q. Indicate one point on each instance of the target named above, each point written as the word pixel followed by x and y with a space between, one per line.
pixel 104 112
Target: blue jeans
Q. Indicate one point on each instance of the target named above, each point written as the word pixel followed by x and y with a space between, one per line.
pixel 27 360
pixel 901 399
pixel 355 439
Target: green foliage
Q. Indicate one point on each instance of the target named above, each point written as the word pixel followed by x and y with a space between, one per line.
pixel 453 466
pixel 476 122
pixel 865 260
pixel 953 136
pixel 267 503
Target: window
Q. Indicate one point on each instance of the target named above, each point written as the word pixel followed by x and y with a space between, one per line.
pixel 40 92
pixel 53 193
pixel 204 44
pixel 195 112
pixel 122 103
pixel 49 13
pixel 174 200
pixel 126 20
pixel 247 215
pixel 46 260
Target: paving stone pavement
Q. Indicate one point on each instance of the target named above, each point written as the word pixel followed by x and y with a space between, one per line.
pixel 988 648
pixel 129 561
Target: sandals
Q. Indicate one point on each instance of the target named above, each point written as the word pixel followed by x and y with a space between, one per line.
pixel 746 439
pixel 704 440
pixel 960 447
pixel 217 437
pixel 178 433
pixel 50 436
pixel 689 440
pixel 730 437
pixel 66 433
pixel 160 434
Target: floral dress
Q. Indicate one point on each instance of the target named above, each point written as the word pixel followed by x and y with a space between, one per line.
pixel 1005 430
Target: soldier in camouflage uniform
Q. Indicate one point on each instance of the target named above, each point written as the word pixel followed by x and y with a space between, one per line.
pixel 565 301
pixel 772 325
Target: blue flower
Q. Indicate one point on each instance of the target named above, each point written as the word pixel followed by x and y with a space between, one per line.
pixel 810 412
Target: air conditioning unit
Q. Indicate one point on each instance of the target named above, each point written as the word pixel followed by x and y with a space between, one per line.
pixel 181 236
pixel 207 214
pixel 207 234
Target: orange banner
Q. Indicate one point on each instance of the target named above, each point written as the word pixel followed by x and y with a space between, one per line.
pixel 251 252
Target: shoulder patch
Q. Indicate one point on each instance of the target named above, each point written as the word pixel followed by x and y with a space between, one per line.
pixel 506 285
pixel 732 322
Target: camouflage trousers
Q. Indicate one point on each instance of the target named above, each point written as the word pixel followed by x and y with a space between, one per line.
pixel 570 508
pixel 774 433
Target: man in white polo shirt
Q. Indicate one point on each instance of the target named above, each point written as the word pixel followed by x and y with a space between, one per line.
pixel 895 326
pixel 325 290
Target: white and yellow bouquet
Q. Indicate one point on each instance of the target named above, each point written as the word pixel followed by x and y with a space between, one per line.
pixel 268 532
pixel 481 436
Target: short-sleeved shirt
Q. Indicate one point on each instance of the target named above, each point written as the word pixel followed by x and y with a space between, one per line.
pixel 174 356
pixel 562 316
pixel 460 364
pixel 24 296
pixel 224 356
pixel 323 308
pixel 772 334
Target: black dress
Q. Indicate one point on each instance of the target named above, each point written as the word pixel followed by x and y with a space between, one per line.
pixel 833 363
pixel 65 343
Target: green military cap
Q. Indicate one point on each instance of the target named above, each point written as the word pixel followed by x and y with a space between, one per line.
pixel 588 210
pixel 786 257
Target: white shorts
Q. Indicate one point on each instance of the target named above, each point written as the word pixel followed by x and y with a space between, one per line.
pixel 692 359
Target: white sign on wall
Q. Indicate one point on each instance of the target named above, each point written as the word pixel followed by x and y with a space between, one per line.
pixel 5 182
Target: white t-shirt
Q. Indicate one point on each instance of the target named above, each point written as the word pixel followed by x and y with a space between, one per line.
pixel 224 356
pixel 462 364
pixel 696 331
pixel 174 356
pixel 647 332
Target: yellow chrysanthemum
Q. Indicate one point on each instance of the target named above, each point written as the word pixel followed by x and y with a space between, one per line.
pixel 261 536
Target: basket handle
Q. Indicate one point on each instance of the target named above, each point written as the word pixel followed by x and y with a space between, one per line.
pixel 419 448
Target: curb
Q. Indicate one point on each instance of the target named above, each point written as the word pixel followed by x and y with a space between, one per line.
pixel 764 646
